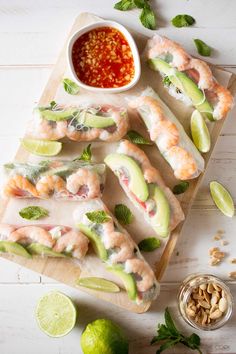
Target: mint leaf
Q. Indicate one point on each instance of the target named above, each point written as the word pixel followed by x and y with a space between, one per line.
pixel 53 104
pixel 167 345
pixel 125 5
pixel 140 4
pixel 170 323
pixel 166 81
pixel 86 155
pixel 149 244
pixel 181 187
pixel 183 21
pixel 137 138
pixel 70 86
pixel 98 216
pixel 148 18
pixel 33 212
pixel 123 214
pixel 202 48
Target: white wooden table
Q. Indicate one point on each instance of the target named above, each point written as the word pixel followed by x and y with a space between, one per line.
pixel 31 36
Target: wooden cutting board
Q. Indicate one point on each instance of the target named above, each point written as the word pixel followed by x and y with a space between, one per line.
pixel 66 270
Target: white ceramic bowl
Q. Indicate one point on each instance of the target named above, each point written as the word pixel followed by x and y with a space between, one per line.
pixel 132 45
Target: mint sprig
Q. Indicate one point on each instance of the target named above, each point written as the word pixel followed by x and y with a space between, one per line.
pixel 98 216
pixel 33 212
pixel 86 155
pixel 70 86
pixel 123 214
pixel 171 335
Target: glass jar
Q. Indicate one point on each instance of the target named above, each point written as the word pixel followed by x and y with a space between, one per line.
pixel 189 296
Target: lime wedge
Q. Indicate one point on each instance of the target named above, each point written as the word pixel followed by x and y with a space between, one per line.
pixel 222 198
pixel 56 314
pixel 42 147
pixel 98 284
pixel 200 133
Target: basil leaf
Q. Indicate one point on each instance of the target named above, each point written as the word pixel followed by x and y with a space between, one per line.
pixel 202 48
pixel 137 138
pixel 98 216
pixel 70 87
pixel 86 155
pixel 183 21
pixel 181 187
pixel 149 244
pixel 148 18
pixel 123 214
pixel 124 5
pixel 33 212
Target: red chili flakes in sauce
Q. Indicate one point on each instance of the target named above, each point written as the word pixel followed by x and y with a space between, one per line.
pixel 103 58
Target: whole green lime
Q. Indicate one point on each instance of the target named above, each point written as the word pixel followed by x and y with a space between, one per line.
pixel 103 337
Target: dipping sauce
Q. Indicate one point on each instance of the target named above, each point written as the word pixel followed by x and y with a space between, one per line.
pixel 103 58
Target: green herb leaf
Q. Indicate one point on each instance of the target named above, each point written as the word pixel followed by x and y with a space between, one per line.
pixel 167 345
pixel 183 21
pixel 86 155
pixel 9 166
pixel 166 81
pixel 125 5
pixel 202 48
pixel 149 244
pixel 98 216
pixel 181 187
pixel 140 4
pixel 33 212
pixel 170 323
pixel 123 214
pixel 148 18
pixel 192 341
pixel 137 138
pixel 53 104
pixel 70 87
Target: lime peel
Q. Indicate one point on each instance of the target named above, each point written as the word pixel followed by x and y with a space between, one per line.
pixel 222 198
pixel 200 133
pixel 42 147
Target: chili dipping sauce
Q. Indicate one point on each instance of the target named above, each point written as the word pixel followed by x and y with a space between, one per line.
pixel 103 58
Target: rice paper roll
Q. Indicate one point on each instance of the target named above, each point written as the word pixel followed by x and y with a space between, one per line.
pixel 169 135
pixel 42 240
pixel 68 180
pixel 117 250
pixel 145 188
pixel 90 123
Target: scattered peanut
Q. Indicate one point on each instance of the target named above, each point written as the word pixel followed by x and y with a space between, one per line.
pixel 216 256
pixel 232 275
pixel 233 260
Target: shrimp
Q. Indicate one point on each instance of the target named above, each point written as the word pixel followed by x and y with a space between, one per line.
pixel 159 46
pixel 182 162
pixel 46 129
pixel 5 231
pixel 108 227
pixel 225 101
pixel 84 177
pixel 48 184
pixel 122 126
pixel 19 186
pixel 72 241
pixel 120 243
pixel 201 72
pixel 82 135
pixel 29 234
pixel 166 133
pixel 142 269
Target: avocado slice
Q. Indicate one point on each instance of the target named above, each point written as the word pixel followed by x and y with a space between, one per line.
pixel 127 278
pixel 95 121
pixel 41 250
pixel 185 84
pixel 14 248
pixel 137 183
pixel 96 241
pixel 55 115
pixel 161 220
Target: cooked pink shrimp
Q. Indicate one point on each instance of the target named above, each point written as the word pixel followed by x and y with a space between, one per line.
pixel 45 129
pixel 183 163
pixel 29 234
pixel 201 72
pixel 142 269
pixel 166 133
pixel 84 177
pixel 48 184
pixel 5 231
pixel 122 125
pixel 225 101
pixel 122 245
pixel 19 186
pixel 156 111
pixel 82 135
pixel 159 46
pixel 72 241
pixel 108 227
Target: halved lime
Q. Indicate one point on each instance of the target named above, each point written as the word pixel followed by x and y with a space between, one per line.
pixel 222 198
pixel 56 314
pixel 99 284
pixel 42 147
pixel 200 133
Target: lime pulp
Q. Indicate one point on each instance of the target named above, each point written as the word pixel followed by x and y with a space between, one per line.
pixel 42 147
pixel 200 133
